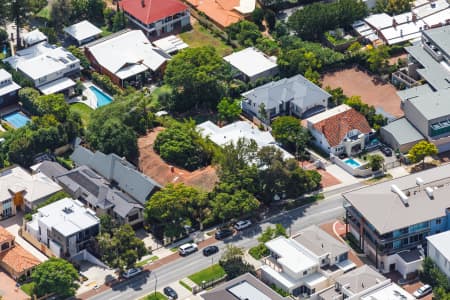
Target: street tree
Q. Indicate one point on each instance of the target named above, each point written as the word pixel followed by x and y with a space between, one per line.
pixel 421 150
pixel 55 275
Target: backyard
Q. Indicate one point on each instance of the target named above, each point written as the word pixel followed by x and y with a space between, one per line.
pixel 83 110
pixel 199 36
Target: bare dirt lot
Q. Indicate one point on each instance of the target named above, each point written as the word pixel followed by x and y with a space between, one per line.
pixel 151 164
pixel 358 83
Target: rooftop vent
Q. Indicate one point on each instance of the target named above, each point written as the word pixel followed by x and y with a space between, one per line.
pixel 400 193
pixel 429 191
pixel 419 181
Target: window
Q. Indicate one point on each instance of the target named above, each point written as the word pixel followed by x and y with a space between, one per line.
pixel 133 217
pixel 305 272
pixel 438 221
pixel 5 246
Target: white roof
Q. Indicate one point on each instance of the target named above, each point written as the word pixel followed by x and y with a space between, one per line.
pixel 441 242
pixel 82 30
pixel 292 255
pixel 403 32
pixel 379 21
pixel 66 216
pixel 328 113
pixel 7 88
pixel 388 292
pixel 57 86
pixel 34 37
pixel 4 75
pixel 231 133
pixel 250 61
pixel 36 186
pixel 170 44
pixel 425 9
pixel 128 54
pixel 246 6
pixel 437 18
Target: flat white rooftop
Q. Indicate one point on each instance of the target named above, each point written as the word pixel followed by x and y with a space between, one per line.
pixel 246 6
pixel 57 86
pixel 82 31
pixel 170 44
pixel 328 113
pixel 441 242
pixel 389 292
pixel 250 61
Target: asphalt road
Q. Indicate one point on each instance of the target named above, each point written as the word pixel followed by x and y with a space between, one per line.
pixel 294 220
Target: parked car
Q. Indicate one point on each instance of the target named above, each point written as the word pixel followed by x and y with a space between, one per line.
pixel 223 233
pixel 187 249
pixel 386 151
pixel 210 250
pixel 243 224
pixel 131 272
pixel 422 291
pixel 170 292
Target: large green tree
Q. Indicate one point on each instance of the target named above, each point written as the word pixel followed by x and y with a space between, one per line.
pixel 55 275
pixel 421 150
pixel 60 13
pixel 198 77
pixel 19 11
pixel 228 110
pixel 393 7
pixel 288 131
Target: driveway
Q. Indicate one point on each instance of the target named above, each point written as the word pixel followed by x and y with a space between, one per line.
pixel 8 289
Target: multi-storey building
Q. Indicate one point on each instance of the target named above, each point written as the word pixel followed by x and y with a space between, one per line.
pixel 8 89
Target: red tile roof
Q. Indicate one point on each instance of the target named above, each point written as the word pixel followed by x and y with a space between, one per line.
pixel 5 235
pixel 18 259
pixel 336 127
pixel 153 10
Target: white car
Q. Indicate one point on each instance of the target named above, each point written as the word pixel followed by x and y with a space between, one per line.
pixel 187 249
pixel 243 224
pixel 131 272
pixel 422 291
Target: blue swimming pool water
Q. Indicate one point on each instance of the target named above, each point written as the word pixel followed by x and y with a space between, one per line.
pixel 102 98
pixel 352 163
pixel 16 119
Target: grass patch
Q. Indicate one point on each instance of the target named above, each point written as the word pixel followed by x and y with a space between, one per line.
pixel 165 89
pixel 199 36
pixel 44 13
pixel 84 111
pixel 259 251
pixel 185 285
pixel 174 249
pixel 209 274
pixel 153 296
pixel 105 31
pixel 27 288
pixel 147 261
pixel 373 180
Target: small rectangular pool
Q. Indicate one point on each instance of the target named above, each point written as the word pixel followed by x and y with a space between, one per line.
pixel 352 163
pixel 16 119
pixel 102 98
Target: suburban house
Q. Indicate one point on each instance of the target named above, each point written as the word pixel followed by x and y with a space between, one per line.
pixel 340 130
pixel 118 171
pixel 101 196
pixel 49 67
pixel 19 190
pixel 246 287
pixel 51 169
pixel 66 227
pixel 391 220
pixel 251 64
pixel 156 17
pixel 127 57
pixel 14 259
pixel 34 37
pixel 363 283
pixel 8 89
pixel 289 96
pixel 400 135
pixel 231 133
pixel 83 32
pixel 306 263
pixel 438 249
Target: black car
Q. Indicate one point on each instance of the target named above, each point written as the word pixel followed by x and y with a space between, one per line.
pixel 210 250
pixel 386 151
pixel 170 292
pixel 223 233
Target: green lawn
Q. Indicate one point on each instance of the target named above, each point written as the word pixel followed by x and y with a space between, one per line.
pixel 147 261
pixel 153 296
pixel 199 36
pixel 27 288
pixel 44 13
pixel 212 273
pixel 84 111
pixel 165 89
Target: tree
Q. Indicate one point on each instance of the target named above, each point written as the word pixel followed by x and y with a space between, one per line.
pixel 198 77
pixel 258 16
pixel 3 12
pixel 421 150
pixel 55 275
pixel 262 112
pixel 121 248
pixel 228 110
pixel 288 131
pixel 392 7
pixel 19 10
pixel 60 13
pixel 270 17
pixel 378 59
pixel 232 251
pixel 80 55
pixel 245 32
pixel 233 263
pixel 375 162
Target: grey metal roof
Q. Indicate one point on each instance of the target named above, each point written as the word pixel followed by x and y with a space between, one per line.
pixel 49 168
pixel 414 92
pixel 319 242
pixel 441 37
pixel 360 279
pixel 300 90
pixel 403 132
pixel 112 167
pixel 433 105
pixel 385 210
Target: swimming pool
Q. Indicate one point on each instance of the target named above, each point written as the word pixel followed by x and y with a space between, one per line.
pixel 352 163
pixel 16 119
pixel 102 98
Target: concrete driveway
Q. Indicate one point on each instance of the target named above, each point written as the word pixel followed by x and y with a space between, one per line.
pixel 8 289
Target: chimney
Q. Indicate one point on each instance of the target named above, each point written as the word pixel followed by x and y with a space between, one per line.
pixel 414 17
pixel 143 3
pixel 394 23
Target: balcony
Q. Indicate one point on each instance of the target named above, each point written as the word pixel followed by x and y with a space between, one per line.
pixel 272 262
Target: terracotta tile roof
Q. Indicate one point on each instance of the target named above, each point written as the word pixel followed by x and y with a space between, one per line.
pixel 336 127
pixel 220 11
pixel 18 259
pixel 153 10
pixel 5 235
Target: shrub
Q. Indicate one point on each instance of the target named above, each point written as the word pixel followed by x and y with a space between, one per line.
pixel 106 84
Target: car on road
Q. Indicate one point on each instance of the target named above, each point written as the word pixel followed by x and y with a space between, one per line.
pixel 223 233
pixel 386 151
pixel 187 249
pixel 422 291
pixel 210 250
pixel 170 292
pixel 241 225
pixel 131 272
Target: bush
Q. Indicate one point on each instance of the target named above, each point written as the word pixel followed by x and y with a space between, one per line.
pixel 259 251
pixel 105 83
